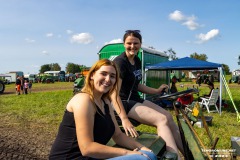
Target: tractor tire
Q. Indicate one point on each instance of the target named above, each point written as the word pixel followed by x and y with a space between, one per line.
pixel 2 87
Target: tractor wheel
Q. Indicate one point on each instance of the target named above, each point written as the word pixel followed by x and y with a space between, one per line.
pixel 2 87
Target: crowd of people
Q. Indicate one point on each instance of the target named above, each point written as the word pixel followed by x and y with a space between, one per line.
pixel 23 86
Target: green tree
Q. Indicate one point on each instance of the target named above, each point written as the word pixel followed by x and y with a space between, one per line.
pixel 45 67
pixel 82 67
pixel 172 55
pixel 202 57
pixel 55 67
pixel 73 68
pixel 226 69
pixel 50 67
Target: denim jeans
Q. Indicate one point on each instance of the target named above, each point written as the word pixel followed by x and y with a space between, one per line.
pixel 151 156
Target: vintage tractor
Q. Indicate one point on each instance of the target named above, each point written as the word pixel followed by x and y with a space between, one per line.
pixel 78 84
pixel 2 86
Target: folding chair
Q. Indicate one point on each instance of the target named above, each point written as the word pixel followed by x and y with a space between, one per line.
pixel 210 101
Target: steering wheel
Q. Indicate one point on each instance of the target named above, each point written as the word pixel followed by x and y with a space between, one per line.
pixel 174 96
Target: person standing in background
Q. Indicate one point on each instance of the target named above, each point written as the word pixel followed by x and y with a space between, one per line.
pixel 22 84
pixel 18 85
pixel 26 86
pixel 30 86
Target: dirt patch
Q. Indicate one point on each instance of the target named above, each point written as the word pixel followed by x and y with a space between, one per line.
pixel 16 144
pixel 24 141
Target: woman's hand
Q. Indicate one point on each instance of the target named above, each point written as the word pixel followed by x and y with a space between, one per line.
pixel 144 149
pixel 129 128
pixel 136 152
pixel 162 88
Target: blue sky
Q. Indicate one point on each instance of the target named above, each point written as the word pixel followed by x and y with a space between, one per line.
pixel 34 33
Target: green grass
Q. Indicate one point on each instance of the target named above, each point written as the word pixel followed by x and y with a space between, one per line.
pixel 45 110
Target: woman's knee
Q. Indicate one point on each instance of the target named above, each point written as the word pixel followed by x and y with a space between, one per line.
pixel 165 119
pixel 161 120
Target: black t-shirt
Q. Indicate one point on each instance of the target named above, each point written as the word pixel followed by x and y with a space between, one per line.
pixel 131 76
pixel 18 82
pixel 66 146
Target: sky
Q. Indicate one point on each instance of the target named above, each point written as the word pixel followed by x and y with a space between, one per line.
pixel 34 33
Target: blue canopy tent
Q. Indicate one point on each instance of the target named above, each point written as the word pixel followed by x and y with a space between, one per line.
pixel 187 63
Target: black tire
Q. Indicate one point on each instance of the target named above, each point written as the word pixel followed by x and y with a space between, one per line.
pixel 2 87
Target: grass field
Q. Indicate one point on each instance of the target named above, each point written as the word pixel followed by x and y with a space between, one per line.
pixel 40 113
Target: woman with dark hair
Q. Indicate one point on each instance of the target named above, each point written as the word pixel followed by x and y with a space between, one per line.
pixel 211 87
pixel 132 105
pixel 89 122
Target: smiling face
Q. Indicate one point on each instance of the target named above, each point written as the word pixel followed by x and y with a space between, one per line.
pixel 132 45
pixel 104 79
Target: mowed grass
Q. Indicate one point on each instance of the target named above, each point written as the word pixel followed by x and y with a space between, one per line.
pixel 45 110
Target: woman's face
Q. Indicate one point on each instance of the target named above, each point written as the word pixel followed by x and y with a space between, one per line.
pixel 132 45
pixel 104 79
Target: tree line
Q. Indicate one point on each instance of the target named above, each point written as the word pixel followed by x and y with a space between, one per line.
pixel 70 68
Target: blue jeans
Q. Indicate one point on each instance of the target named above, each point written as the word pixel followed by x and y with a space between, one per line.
pixel 151 156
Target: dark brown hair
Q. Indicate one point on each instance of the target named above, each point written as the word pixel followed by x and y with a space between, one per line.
pixel 134 33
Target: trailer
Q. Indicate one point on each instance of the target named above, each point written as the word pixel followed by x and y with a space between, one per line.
pixel 12 76
pixel 235 76
pixel 148 56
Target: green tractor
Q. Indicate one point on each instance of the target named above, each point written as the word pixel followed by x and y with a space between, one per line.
pixel 2 86
pixel 78 84
pixel 46 78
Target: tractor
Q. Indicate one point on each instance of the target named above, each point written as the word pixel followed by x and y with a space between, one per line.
pixel 2 86
pixel 78 84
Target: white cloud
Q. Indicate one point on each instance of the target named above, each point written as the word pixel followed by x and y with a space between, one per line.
pixel 176 16
pixel 188 21
pixel 69 31
pixel 114 41
pixel 28 40
pixel 208 36
pixel 82 38
pixel 49 35
pixel 191 25
pixel 45 53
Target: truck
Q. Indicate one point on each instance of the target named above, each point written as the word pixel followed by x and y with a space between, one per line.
pixel 148 56
pixel 13 76
pixel 31 77
pixel 51 76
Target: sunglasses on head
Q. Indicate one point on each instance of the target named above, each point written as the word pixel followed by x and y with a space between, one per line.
pixel 132 31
